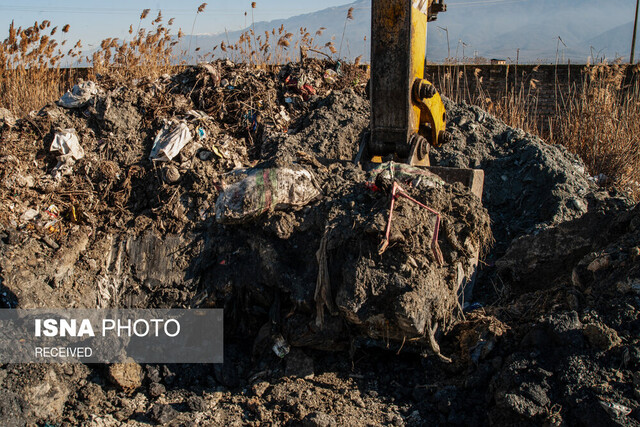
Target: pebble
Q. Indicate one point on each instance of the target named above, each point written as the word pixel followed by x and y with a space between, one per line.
pixel 205 155
pixel 162 414
pixel 601 336
pixel 50 242
pixel 127 376
pixel 171 174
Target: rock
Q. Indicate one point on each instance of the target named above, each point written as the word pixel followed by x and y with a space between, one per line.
pixel 92 395
pixel 319 419
pixel 196 404
pixel 565 329
pixel 599 263
pixel 156 389
pixel 162 413
pixel 170 174
pixel 601 336
pixel 260 388
pixel 47 399
pixel 205 155
pixel 299 364
pixel 153 373
pixel 127 376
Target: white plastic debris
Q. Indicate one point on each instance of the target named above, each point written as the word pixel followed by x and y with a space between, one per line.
pixel 169 141
pixel 284 115
pixel 616 410
pixel 79 95
pixel 7 118
pixel 265 190
pixel 28 215
pixel 67 144
pixel 280 346
pixel 198 115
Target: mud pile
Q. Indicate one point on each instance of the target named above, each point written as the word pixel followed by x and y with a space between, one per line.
pixel 556 341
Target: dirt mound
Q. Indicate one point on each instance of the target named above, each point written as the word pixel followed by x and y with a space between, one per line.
pixel 558 344
pixel 529 185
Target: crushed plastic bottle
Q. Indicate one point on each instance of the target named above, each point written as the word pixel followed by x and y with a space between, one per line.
pixel 280 347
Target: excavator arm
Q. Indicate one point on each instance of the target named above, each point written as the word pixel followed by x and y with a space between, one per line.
pixel 407 113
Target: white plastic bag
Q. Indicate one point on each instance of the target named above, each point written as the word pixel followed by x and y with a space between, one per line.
pixel 169 141
pixel 67 144
pixel 79 95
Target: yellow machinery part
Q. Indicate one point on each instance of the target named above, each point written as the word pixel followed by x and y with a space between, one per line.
pixel 418 50
pixel 406 111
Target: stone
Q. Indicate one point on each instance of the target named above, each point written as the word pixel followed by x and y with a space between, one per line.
pixel 601 336
pixel 162 413
pixel 171 174
pixel 319 419
pixel 127 376
pixel 156 389
pixel 196 404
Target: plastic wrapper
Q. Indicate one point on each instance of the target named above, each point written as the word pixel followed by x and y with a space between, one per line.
pixel 263 190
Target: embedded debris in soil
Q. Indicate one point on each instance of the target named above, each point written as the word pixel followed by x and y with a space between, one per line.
pixel 556 341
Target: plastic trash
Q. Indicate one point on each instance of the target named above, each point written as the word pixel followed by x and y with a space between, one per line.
pixel 198 115
pixel 79 96
pixel 169 141
pixel 28 215
pixel 330 76
pixel 67 144
pixel 283 114
pixel 280 346
pixel 468 308
pixel 392 171
pixel 263 190
pixel 616 410
pixel 7 118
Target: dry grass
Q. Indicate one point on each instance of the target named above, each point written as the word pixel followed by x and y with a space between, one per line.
pixel 278 46
pixel 148 54
pixel 30 62
pixel 596 119
pixel 517 105
pixel 600 122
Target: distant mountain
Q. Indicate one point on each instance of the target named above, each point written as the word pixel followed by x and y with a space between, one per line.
pixel 616 40
pixel 331 19
pixel 532 30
